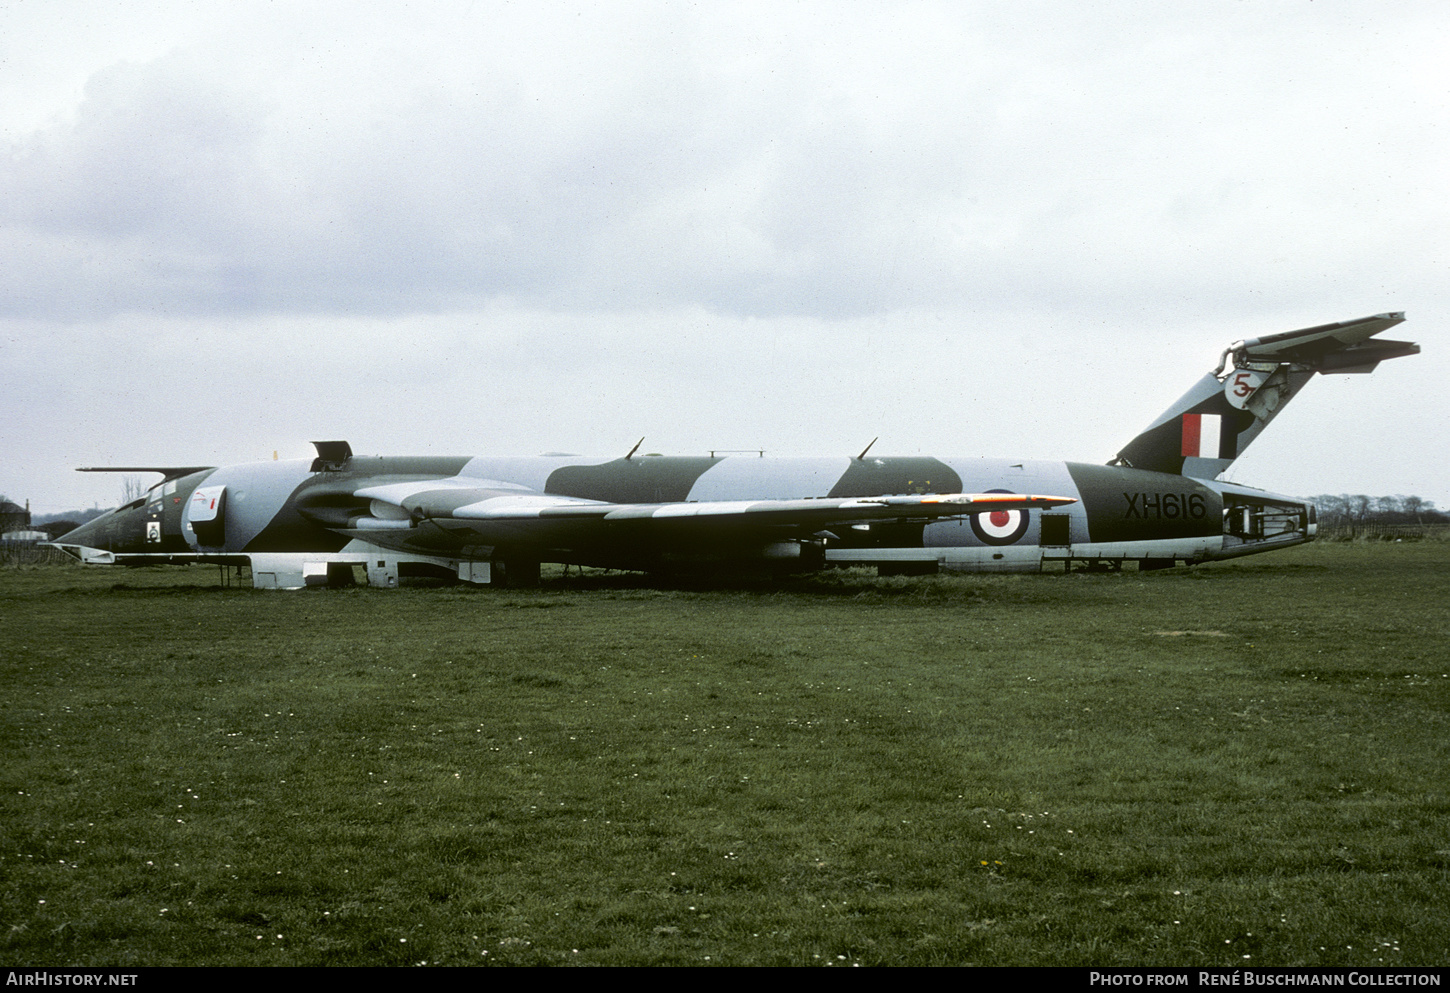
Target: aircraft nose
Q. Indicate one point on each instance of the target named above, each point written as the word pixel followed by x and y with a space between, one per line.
pixel 80 535
pixel 119 530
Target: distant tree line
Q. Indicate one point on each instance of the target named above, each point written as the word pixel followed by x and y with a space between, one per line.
pixel 1344 509
pixel 1385 518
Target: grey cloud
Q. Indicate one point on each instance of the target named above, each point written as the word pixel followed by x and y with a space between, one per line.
pixel 947 162
pixel 835 163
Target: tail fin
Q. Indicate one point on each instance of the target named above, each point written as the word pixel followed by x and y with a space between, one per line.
pixel 1215 421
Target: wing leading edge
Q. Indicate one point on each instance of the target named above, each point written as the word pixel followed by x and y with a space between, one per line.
pixel 494 512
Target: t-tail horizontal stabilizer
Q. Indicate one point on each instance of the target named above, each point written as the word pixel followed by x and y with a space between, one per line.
pixel 1215 421
pixel 167 471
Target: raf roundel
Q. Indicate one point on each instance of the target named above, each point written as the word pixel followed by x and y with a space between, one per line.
pixel 1000 527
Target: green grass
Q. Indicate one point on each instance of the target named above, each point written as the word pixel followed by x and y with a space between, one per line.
pixel 1244 764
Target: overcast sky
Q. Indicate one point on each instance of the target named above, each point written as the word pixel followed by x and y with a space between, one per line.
pixel 970 228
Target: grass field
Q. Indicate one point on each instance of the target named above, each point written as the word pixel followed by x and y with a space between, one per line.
pixel 1243 764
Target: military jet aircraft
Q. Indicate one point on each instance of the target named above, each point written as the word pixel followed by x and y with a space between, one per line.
pixel 493 520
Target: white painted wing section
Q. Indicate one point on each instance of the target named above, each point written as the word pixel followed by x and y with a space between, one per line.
pixel 523 507
pixel 712 508
pixel 396 493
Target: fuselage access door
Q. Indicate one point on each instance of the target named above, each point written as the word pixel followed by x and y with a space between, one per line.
pixel 1255 521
